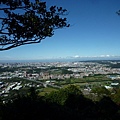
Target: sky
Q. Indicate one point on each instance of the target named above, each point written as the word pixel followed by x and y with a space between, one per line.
pixel 94 32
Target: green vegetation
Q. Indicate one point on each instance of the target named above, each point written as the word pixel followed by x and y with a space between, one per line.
pixel 76 98
pixel 96 79
pixel 46 90
pixel 67 103
pixel 7 69
pixel 61 95
pixel 117 65
pixel 91 81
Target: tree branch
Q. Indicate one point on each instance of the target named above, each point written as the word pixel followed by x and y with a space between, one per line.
pixel 33 24
pixel 4 18
pixel 15 8
pixel 15 43
pixel 4 33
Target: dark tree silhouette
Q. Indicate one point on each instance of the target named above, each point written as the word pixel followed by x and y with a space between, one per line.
pixel 65 104
pixel 25 22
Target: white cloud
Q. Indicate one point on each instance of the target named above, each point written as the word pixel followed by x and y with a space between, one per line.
pixel 76 56
pixel 105 55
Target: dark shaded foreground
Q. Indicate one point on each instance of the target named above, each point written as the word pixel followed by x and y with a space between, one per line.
pixel 65 104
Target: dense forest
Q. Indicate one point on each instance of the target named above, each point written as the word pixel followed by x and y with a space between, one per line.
pixel 66 103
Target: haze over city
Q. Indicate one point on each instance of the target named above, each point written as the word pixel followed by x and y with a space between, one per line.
pixel 94 33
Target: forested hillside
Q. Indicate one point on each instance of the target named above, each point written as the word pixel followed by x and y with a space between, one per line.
pixel 66 103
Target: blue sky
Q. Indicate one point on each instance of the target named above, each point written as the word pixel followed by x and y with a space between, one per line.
pixel 94 31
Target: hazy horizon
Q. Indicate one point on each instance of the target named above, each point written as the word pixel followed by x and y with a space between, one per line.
pixel 62 59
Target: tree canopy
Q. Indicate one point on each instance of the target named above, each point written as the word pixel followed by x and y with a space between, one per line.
pixel 25 22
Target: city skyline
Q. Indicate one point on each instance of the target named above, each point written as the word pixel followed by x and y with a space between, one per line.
pixel 94 32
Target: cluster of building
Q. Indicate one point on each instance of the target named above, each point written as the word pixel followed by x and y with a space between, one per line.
pixel 47 76
pixel 79 70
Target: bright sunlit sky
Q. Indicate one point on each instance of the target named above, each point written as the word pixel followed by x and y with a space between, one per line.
pixel 94 31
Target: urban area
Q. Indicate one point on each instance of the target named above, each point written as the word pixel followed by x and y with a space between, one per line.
pixel 17 76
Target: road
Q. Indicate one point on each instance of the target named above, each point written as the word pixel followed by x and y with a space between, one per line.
pixel 44 84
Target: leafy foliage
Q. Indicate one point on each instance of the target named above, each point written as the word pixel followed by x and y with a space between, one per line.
pixel 65 104
pixel 100 91
pixel 61 96
pixel 116 96
pixel 28 22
